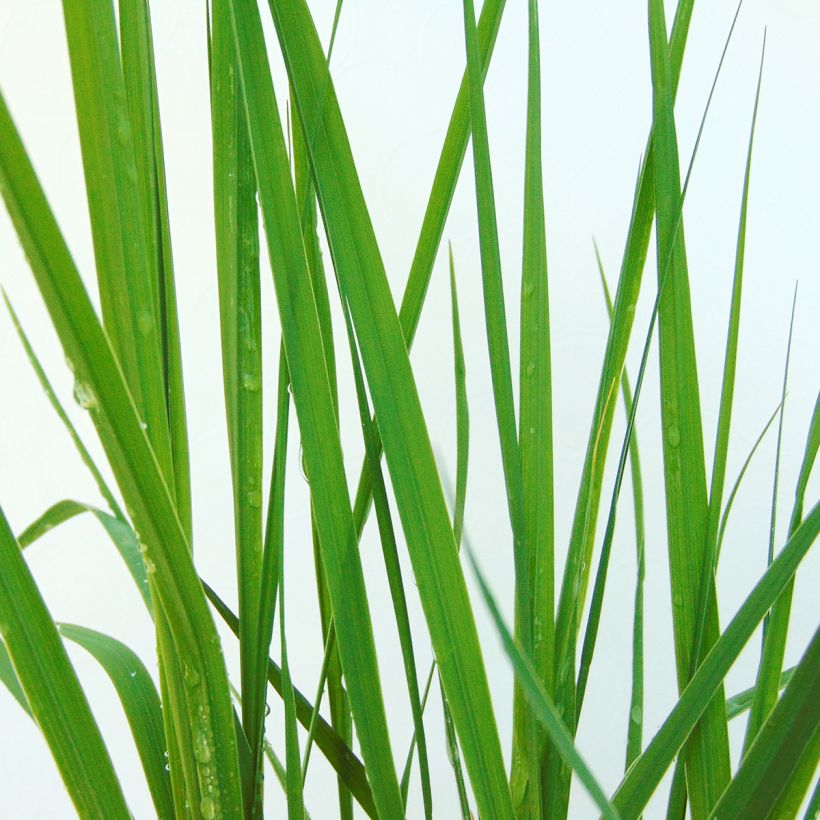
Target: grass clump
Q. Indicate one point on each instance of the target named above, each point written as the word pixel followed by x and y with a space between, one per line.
pixel 285 181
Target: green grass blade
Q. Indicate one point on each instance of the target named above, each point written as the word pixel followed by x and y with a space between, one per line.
pixel 739 480
pixel 344 761
pixel 535 420
pixel 543 706
pixel 776 480
pixel 274 531
pixel 240 317
pixel 125 270
pixel 102 390
pixel 392 567
pixel 85 456
pixel 462 410
pixel 647 771
pixel 774 644
pixel 340 716
pixel 707 755
pixel 314 406
pixel 741 702
pixel 454 756
pixel 727 390
pixel 635 724
pixel 410 458
pixel 677 802
pixel 52 689
pixel 495 317
pixel 317 705
pixel 785 749
pixel 293 763
pixel 139 76
pixel 120 533
pixel 524 779
pixel 141 705
pixel 278 769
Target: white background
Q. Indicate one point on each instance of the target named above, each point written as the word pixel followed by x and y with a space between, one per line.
pixel 397 66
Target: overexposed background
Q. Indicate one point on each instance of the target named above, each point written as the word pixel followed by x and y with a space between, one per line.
pixel 397 66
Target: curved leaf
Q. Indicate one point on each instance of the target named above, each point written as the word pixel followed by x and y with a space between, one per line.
pixel 140 702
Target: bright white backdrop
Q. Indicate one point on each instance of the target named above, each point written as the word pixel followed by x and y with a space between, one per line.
pixel 397 66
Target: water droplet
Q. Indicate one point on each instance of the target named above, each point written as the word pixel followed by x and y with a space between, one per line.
pixel 84 395
pixel 203 750
pixel 191 677
pixel 207 808
pixel 250 381
pixel 145 322
pixel 532 431
pixel 303 465
pixel 529 289
pixel 143 425
pixel 133 674
pixel 530 368
pixel 255 499
pixel 673 435
pixel 167 767
pixel 636 714
pixel 122 130
pixel 165 754
pixel 677 599
pixel 267 709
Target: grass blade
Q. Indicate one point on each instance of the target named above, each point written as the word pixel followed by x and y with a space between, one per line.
pixel 293 779
pixel 774 642
pixel 727 390
pixel 85 456
pixel 120 533
pixel 647 771
pixel 125 270
pixel 139 76
pixel 785 750
pixel 462 410
pixel 707 757
pixel 736 486
pixel 410 458
pixel 535 418
pixel 140 703
pixel 392 567
pixel 635 725
pixel 237 254
pixel 524 783
pixel 52 690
